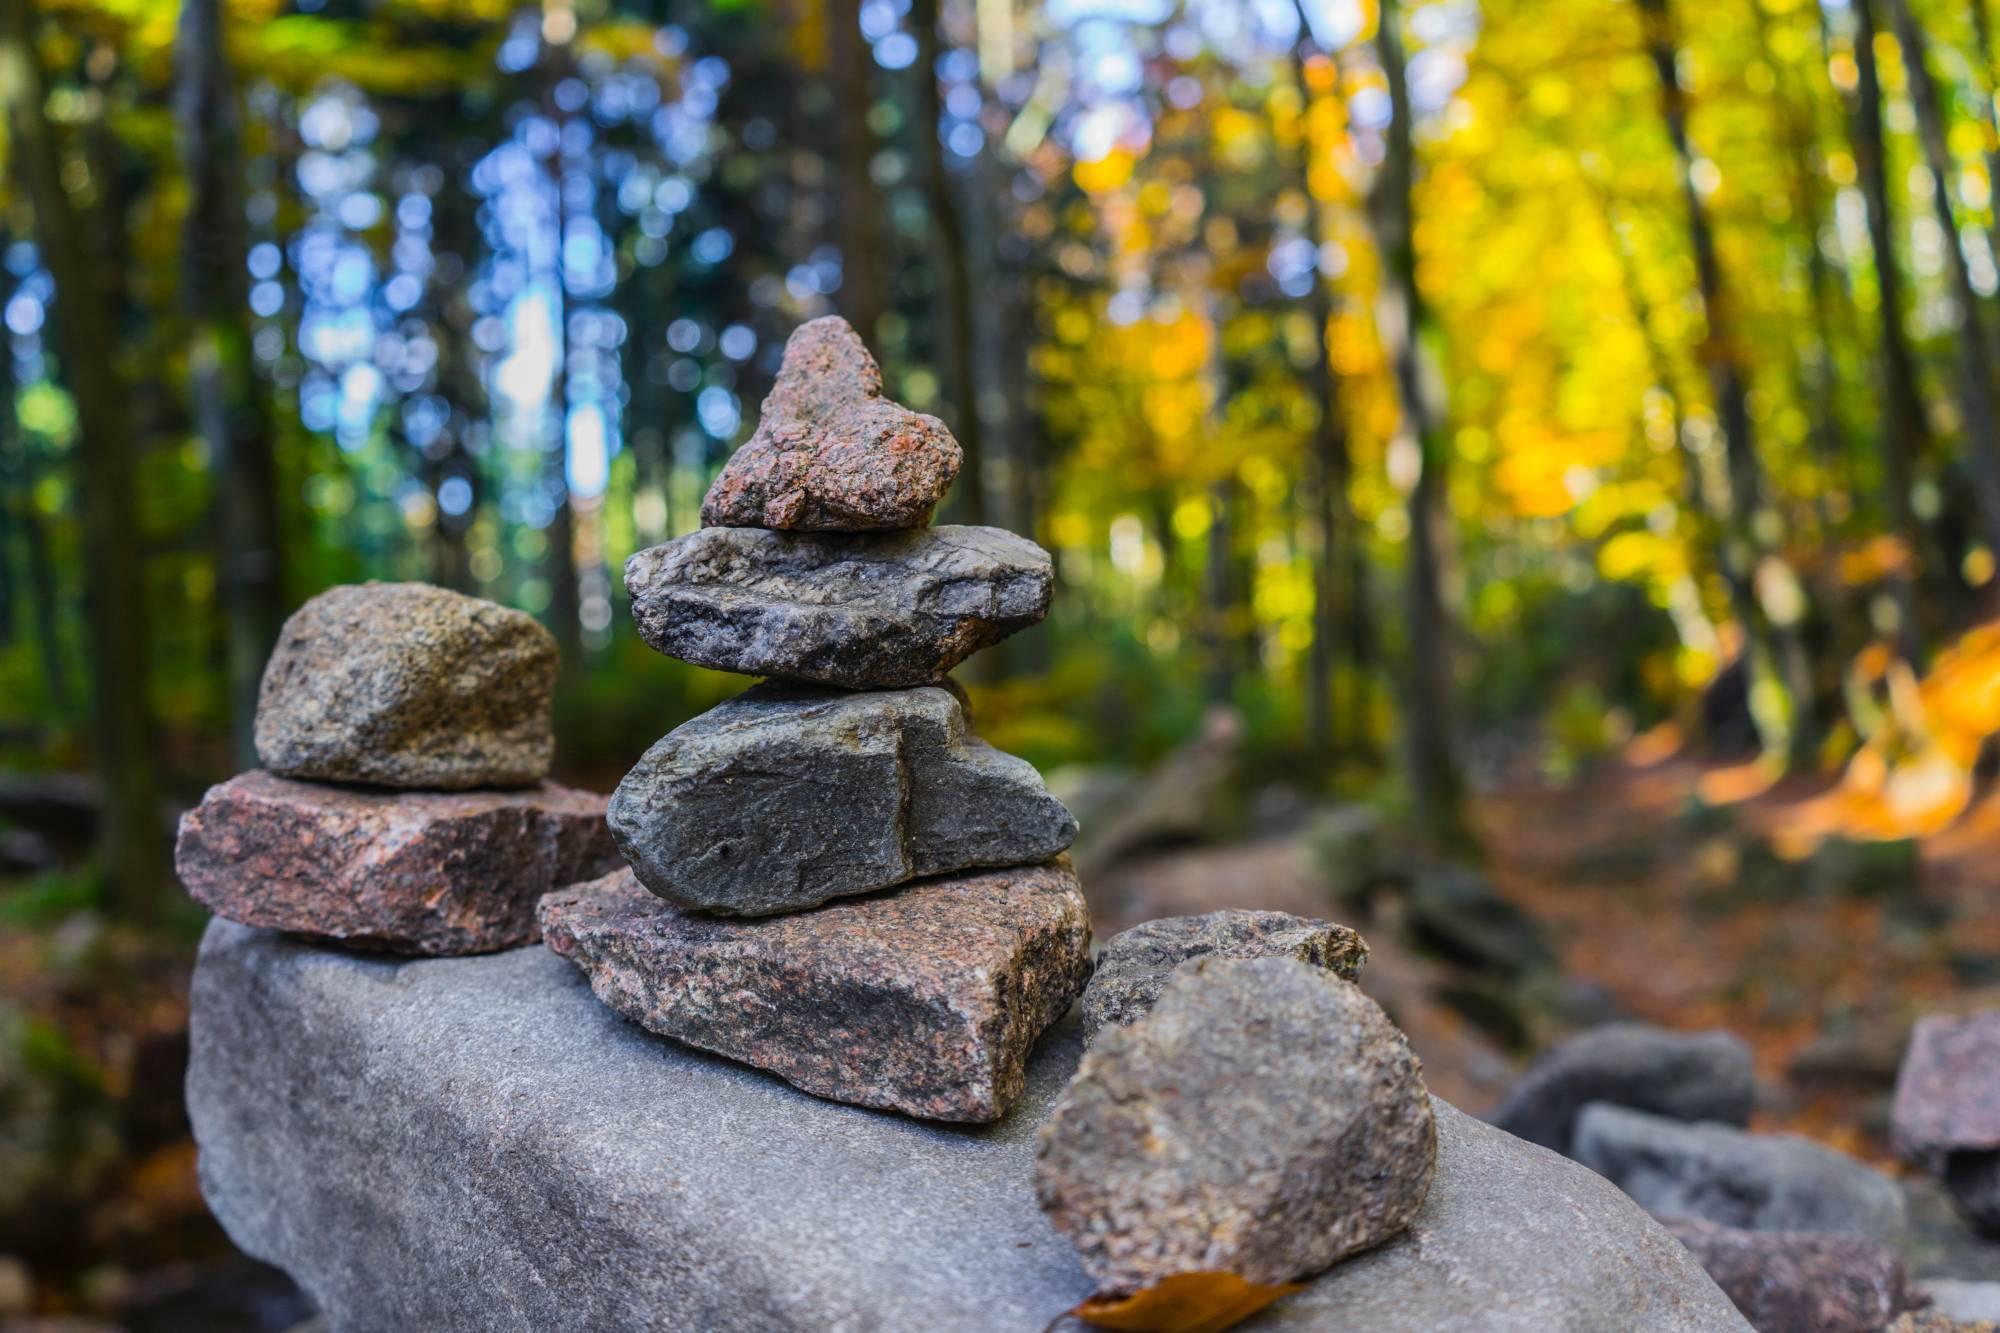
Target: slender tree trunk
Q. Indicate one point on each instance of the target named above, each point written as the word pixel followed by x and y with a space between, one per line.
pixel 1219 610
pixel 1982 422
pixel 952 270
pixel 1982 40
pixel 559 562
pixel 456 227
pixel 1437 781
pixel 1905 435
pixel 132 842
pixel 230 409
pixel 853 66
pixel 1783 661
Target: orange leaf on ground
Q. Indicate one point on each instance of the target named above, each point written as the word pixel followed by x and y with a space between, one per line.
pixel 1183 1303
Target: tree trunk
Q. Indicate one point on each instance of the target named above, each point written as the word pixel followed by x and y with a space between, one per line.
pixel 853 67
pixel 952 272
pixel 132 845
pixel 559 560
pixel 1437 782
pixel 1775 653
pixel 230 409
pixel 1905 436
pixel 1982 423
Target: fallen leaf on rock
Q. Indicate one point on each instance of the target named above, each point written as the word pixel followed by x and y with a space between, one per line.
pixel 1183 1303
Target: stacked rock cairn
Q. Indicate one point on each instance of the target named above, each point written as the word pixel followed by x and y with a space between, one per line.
pixel 403 805
pixel 830 876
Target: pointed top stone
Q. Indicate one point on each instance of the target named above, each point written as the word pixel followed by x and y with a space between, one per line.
pixel 831 453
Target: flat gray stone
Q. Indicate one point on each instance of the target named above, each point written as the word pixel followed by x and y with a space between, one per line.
pixel 1754 1182
pixel 862 611
pixel 1973 1302
pixel 1680 1075
pixel 409 685
pixel 1133 966
pixel 478 1144
pixel 782 798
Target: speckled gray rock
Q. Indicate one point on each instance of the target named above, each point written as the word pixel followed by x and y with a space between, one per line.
pixel 831 453
pixel 1800 1282
pixel 1134 964
pixel 782 798
pixel 1680 1075
pixel 926 1000
pixel 406 685
pixel 861 611
pixel 1721 1174
pixel 1265 1119
pixel 1946 1116
pixel 408 872
pixel 476 1145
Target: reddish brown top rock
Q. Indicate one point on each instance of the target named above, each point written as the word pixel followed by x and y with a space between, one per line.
pixel 1948 1091
pixel 831 454
pixel 404 872
pixel 925 1000
pixel 1800 1281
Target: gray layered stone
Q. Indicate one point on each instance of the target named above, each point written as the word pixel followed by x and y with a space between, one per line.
pixel 1946 1115
pixel 478 1144
pixel 1264 1119
pixel 1133 967
pixel 1754 1182
pixel 859 610
pixel 407 685
pixel 925 1001
pixel 1680 1075
pixel 783 798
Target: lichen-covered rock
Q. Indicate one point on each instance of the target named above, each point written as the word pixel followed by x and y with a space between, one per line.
pixel 1265 1119
pixel 925 1001
pixel 1134 964
pixel 831 453
pixel 407 685
pixel 1755 1182
pixel 868 611
pixel 1946 1116
pixel 782 798
pixel 405 872
pixel 1800 1282
pixel 1680 1075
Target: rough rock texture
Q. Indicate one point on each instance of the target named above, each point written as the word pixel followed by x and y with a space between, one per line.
pixel 1680 1075
pixel 925 1001
pixel 1931 1321
pixel 783 798
pixel 1133 967
pixel 877 611
pixel 1800 1282
pixel 1757 1182
pixel 1266 1119
pixel 409 872
pixel 1946 1115
pixel 476 1144
pixel 831 453
pixel 406 685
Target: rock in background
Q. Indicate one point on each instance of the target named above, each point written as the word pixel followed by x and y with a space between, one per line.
pixel 1946 1116
pixel 925 1001
pixel 407 685
pixel 406 872
pixel 781 798
pixel 1793 1282
pixel 1683 1076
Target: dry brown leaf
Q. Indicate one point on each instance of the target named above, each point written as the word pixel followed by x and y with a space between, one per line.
pixel 1183 1303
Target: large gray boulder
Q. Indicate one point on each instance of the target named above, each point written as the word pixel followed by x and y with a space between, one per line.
pixel 1680 1075
pixel 782 798
pixel 1755 1182
pixel 864 611
pixel 478 1144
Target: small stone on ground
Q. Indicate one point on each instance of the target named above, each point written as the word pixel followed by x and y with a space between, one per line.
pixel 1134 964
pixel 925 1000
pixel 1946 1116
pixel 405 872
pixel 831 453
pixel 1800 1282
pixel 1680 1075
pixel 407 685
pixel 868 611
pixel 782 798
pixel 1265 1119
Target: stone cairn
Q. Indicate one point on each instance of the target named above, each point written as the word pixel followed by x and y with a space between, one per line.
pixel 830 876
pixel 404 804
